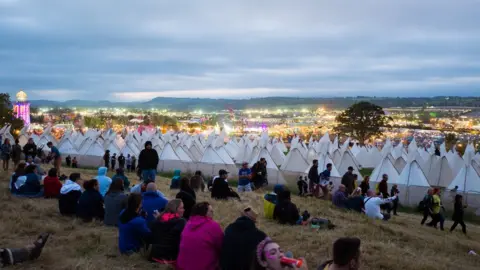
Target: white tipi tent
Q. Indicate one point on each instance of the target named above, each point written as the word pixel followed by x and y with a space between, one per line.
pixel 412 184
pixel 385 167
pixel 169 160
pixel 440 173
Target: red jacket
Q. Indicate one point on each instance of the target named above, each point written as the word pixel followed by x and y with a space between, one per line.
pixel 51 187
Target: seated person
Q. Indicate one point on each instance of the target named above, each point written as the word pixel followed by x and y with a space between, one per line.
pixel 339 199
pixel 372 205
pixel 104 181
pixel 90 204
pixel 120 173
pixel 51 184
pixel 15 182
pixel 196 182
pixel 356 201
pixel 152 201
pixel 302 186
pixel 32 186
pixel 187 195
pixel 132 226
pixel 285 211
pixel 11 256
pixel 220 188
pixel 175 184
pixel 166 232
pixel 69 195
pixel 346 255
pixel 115 202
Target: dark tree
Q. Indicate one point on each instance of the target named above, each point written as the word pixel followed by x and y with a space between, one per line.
pixel 6 114
pixel 361 121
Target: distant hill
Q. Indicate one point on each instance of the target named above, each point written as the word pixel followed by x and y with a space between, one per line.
pixel 188 104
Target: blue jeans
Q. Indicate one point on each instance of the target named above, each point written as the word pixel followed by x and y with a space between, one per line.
pixel 149 174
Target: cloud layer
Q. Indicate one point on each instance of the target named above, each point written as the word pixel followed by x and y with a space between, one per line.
pixel 124 50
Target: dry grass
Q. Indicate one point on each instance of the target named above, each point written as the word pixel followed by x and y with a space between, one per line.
pixel 399 244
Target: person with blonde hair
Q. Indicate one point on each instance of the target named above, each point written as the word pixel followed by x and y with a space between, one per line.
pixel 166 231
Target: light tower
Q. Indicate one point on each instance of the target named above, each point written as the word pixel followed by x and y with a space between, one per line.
pixel 21 107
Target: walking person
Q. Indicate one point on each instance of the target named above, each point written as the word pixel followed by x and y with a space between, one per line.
pixel 458 214
pixel 134 164
pixel 349 181
pixel 113 161
pixel 74 162
pixel 394 191
pixel 68 160
pixel 16 153
pixel 314 178
pixel 56 156
pixel 436 209
pixel 106 158
pixel 6 151
pixel 427 205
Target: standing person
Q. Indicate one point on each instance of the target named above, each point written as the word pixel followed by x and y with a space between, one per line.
pixel 197 182
pixel 458 214
pixel 244 177
pixel 383 187
pixel 68 160
pixel 148 162
pixel 55 154
pixel 134 164
pixel 325 180
pixel 365 185
pixel 437 210
pixel 16 153
pixel 373 203
pixel 314 178
pixel 6 150
pixel 121 161
pixel 115 202
pixel 240 241
pixel 187 195
pixel 346 255
pixel 201 241
pixel 427 205
pixel 348 181
pixel 106 158
pixel 133 230
pixel 129 163
pixel 74 162
pixel 30 149
pixel 394 191
pixel 90 204
pixel 259 173
pixel 113 161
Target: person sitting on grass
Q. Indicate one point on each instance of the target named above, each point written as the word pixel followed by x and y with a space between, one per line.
pixel 187 195
pixel 346 255
pixel 201 241
pixel 197 182
pixel 32 187
pixel 285 211
pixel 69 195
pixel 12 256
pixel 166 231
pixel 90 204
pixel 152 201
pixel 268 256
pixel 175 183
pixel 132 227
pixel 356 201
pixel 220 188
pixel 241 239
pixel 115 202
pixel 51 184
pixel 372 205
pixel 18 178
pixel 339 199
pixel 103 180
pixel 120 173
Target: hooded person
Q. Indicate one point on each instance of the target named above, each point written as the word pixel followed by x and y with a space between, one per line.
pixel 201 241
pixel 120 173
pixel 103 180
pixel 69 195
pixel 90 205
pixel 240 241
pixel 148 162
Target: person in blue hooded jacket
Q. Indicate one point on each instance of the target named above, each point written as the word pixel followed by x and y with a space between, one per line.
pixel 32 186
pixel 103 180
pixel 132 226
pixel 152 201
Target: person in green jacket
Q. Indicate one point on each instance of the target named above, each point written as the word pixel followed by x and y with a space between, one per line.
pixel 436 210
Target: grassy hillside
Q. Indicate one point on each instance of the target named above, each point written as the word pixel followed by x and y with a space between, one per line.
pixel 399 244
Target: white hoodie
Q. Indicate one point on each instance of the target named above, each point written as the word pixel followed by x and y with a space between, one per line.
pixel 372 206
pixel 70 186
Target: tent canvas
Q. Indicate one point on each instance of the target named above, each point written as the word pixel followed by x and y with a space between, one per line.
pixel 440 173
pixel 412 184
pixel 349 160
pixel 400 164
pixel 294 162
pixel 385 167
pixel 169 160
pixel 277 155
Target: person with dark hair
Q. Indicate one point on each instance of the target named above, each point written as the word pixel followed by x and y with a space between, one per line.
pixel 51 184
pixel 187 195
pixel 348 181
pixel 302 185
pixel 458 214
pixel 16 153
pixel 383 187
pixel 426 205
pixel 166 230
pixel 285 211
pixel 394 191
pixel 201 241
pixel 115 202
pixel 220 188
pixel 56 156
pixel 244 177
pixel 120 173
pixel 365 185
pixel 121 161
pixel 152 201
pixel 30 149
pixel 346 255
pixel 18 178
pixel 113 161
pixel 197 182
pixel 148 162
pixel 90 204
pixel 314 178
pixel 12 256
pixel 325 180
pixel 340 198
pixel 437 210
pixel 74 162
pixel 134 164
pixel 129 163
pixel 6 150
pixel 268 255
pixel 32 186
pixel 132 226
pixel 259 173
pixel 106 158
pixel 68 161
pixel 241 239
pixel 69 195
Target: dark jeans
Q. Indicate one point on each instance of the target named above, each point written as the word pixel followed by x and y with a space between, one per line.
pixel 437 218
pixel 386 216
pixel 113 166
pixel 464 227
pixel 426 214
pixel 395 206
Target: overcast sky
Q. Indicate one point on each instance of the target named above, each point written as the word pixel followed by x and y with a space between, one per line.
pixel 136 50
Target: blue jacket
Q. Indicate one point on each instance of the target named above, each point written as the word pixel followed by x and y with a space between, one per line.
pixel 132 234
pixel 103 180
pixel 32 185
pixel 153 201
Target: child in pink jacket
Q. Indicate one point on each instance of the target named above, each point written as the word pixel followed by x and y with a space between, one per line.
pixel 201 241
